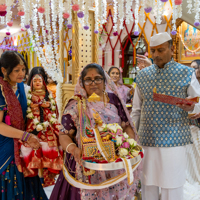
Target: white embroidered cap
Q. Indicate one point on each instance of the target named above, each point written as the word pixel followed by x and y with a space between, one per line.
pixel 159 39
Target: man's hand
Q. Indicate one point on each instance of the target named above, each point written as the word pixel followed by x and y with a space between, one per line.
pixel 196 116
pixel 143 61
pixel 186 107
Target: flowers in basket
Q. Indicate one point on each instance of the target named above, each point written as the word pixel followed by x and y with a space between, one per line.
pixel 125 147
pixel 113 145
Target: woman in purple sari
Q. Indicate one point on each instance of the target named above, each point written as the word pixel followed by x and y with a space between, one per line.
pixel 112 109
pixel 116 77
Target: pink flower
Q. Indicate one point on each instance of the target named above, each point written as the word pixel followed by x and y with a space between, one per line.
pixel 3 7
pixel 123 138
pixel 66 15
pixel 22 29
pixel 119 131
pixel 126 145
pixel 120 55
pixel 21 13
pixel 41 9
pixel 75 7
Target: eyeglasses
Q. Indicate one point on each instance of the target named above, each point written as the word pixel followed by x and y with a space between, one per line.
pixel 96 81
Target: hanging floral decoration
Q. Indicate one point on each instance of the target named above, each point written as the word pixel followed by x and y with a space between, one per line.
pixel 48 14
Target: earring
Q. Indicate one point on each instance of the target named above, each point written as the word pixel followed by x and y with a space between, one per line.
pixel 5 78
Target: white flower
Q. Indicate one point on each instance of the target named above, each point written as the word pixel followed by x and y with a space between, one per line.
pixel 132 142
pixel 118 141
pixel 35 121
pixel 135 153
pixel 53 108
pixel 39 127
pixel 53 120
pixel 52 101
pixel 30 115
pixel 126 135
pixel 29 96
pixel 46 124
pixel 28 102
pixel 54 115
pixel 103 127
pixel 123 152
pixel 28 110
pixel 50 96
pixel 118 126
pixel 112 127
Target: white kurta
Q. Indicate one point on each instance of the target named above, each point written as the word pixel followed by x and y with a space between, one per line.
pixel 164 166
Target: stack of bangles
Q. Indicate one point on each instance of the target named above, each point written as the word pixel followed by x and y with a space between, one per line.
pixel 69 146
pixel 25 136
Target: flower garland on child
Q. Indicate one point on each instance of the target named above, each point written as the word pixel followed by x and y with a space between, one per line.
pixel 41 126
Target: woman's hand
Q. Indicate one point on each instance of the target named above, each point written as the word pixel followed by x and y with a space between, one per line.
pixel 33 142
pixel 128 129
pixel 77 153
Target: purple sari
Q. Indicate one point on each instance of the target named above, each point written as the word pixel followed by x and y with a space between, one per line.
pixel 124 92
pixel 113 112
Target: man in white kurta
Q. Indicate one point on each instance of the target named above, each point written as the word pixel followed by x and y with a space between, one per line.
pixel 163 128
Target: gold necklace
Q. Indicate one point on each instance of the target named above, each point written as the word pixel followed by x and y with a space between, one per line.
pixel 14 87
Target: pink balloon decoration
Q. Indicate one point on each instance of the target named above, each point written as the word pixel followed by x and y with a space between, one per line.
pixel 3 13
pixel 21 13
pixel 3 7
pixel 10 23
pixel 41 9
pixel 178 2
pixel 66 15
pixel 75 7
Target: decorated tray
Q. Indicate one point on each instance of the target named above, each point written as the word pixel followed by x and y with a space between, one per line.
pixel 110 166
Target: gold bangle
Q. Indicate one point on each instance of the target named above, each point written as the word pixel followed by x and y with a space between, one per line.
pixel 69 146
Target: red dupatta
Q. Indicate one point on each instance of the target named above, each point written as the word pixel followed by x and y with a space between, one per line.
pixel 16 116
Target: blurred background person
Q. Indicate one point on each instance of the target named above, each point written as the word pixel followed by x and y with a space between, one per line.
pixel 196 65
pixel 51 85
pixel 116 76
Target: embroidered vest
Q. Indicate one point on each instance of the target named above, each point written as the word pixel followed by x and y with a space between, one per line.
pixel 161 124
